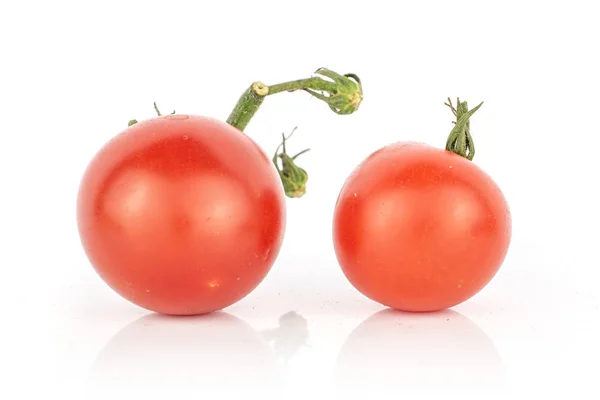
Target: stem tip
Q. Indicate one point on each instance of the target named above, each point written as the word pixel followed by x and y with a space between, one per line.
pixel 260 88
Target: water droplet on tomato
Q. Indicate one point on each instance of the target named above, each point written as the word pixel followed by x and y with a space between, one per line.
pixel 185 137
pixel 177 116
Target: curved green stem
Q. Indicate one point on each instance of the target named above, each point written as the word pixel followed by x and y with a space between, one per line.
pixel 314 83
pixel 460 140
pixel 343 94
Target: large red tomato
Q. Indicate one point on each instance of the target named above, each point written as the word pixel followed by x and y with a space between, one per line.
pixel 181 214
pixel 417 228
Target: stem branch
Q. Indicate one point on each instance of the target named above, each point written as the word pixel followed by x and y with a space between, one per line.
pixel 343 94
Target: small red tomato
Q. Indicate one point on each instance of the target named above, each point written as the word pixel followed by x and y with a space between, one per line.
pixel 181 214
pixel 417 228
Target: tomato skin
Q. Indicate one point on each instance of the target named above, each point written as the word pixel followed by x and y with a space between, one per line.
pixel 420 229
pixel 181 214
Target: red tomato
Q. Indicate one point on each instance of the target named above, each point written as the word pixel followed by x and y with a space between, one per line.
pixel 417 228
pixel 181 214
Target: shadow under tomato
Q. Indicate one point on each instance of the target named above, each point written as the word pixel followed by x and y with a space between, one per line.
pixel 423 354
pixel 214 353
pixel 289 337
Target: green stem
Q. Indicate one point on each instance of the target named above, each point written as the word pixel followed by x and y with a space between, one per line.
pixel 343 94
pixel 248 105
pixel 314 83
pixel 460 140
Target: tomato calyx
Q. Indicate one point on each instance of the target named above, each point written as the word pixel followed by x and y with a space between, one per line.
pixel 346 97
pixel 460 140
pixel 135 121
pixel 293 177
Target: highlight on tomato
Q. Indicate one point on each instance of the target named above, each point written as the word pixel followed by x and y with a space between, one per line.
pixel 417 228
pixel 185 214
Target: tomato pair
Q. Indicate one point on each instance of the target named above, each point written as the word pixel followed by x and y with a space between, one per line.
pixel 184 215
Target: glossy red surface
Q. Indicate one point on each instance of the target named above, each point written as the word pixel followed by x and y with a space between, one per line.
pixel 181 214
pixel 420 229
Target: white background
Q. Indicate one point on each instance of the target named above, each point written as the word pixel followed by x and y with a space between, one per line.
pixel 73 74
